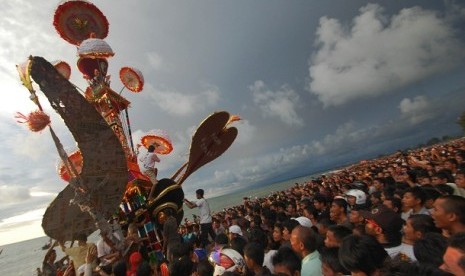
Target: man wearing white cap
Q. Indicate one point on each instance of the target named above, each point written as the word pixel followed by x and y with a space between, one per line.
pixel 234 231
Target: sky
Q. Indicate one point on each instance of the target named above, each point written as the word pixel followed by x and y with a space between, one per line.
pixel 318 84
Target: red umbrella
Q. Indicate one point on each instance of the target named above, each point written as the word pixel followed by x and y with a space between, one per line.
pixel 160 138
pixel 132 79
pixel 75 20
pixel 76 159
pixel 63 68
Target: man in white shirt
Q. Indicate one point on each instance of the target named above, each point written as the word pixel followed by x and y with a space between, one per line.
pixel 205 216
pixel 148 164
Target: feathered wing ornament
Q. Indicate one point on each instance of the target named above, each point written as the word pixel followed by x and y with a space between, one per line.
pixel 98 189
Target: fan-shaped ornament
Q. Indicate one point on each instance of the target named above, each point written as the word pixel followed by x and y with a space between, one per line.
pixel 76 159
pixel 132 79
pixel 75 20
pixel 63 68
pixel 159 138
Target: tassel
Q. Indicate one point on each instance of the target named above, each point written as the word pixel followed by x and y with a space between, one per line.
pixel 36 120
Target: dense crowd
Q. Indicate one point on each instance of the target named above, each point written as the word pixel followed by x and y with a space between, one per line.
pixel 402 214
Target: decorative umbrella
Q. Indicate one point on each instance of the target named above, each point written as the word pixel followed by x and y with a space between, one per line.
pixel 75 20
pixel 132 79
pixel 76 159
pixel 63 68
pixel 95 48
pixel 160 138
pixel 90 66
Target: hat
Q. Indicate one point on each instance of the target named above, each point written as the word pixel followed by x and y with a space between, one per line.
pixel 386 218
pixel 235 229
pixel 360 196
pixel 304 221
pixel 234 256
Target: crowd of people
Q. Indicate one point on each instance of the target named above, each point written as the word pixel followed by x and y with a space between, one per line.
pixel 402 214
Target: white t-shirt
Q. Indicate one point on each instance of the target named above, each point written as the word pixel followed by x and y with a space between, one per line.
pixel 393 251
pixel 149 160
pixel 205 216
pixel 267 260
pixel 406 250
pixel 103 248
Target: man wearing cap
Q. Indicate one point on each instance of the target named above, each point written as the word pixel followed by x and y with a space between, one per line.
pixel 205 216
pixel 234 231
pixel 385 225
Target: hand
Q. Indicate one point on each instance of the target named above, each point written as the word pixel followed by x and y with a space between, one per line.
pixel 69 270
pixel 91 254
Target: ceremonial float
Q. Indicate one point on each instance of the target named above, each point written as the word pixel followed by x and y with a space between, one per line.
pixel 105 187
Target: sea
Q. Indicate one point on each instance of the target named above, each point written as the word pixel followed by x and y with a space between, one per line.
pixel 23 258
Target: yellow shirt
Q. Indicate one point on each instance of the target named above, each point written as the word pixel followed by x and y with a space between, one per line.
pixel 78 255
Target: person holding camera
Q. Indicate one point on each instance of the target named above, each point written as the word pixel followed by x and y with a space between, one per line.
pixel 205 216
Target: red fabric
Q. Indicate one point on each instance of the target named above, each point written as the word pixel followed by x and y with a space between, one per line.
pixel 134 260
pixel 164 270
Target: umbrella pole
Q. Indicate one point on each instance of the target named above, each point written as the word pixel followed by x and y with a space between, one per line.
pixel 121 91
pixel 129 130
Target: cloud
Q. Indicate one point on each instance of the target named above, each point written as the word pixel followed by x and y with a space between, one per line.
pixel 247 132
pixel 416 110
pixel 12 194
pixel 281 104
pixel 155 61
pixel 377 54
pixel 180 104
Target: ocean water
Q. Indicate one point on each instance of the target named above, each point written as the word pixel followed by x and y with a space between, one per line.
pixel 24 257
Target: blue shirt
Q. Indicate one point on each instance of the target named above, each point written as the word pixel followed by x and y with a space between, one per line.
pixel 311 265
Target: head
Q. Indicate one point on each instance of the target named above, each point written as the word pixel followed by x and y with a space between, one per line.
pixel 323 226
pixel 356 197
pixel 303 241
pixel 454 257
pixel 417 226
pixel 320 202
pixel 231 260
pixel 221 240
pixel 355 217
pixel 338 209
pixel 393 203
pixel 429 249
pixel 234 231
pixel 460 179
pixel 205 268
pixel 335 235
pixel 440 177
pixel 384 224
pixel 330 265
pixel 199 193
pixel 414 197
pixel 52 256
pixel 449 213
pixel 287 262
pixel 254 254
pixel 278 232
pixel 288 226
pixel 151 148
pixel 82 239
pixel 362 254
pixel 238 244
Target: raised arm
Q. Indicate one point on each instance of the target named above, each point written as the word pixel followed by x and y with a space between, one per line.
pixel 189 204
